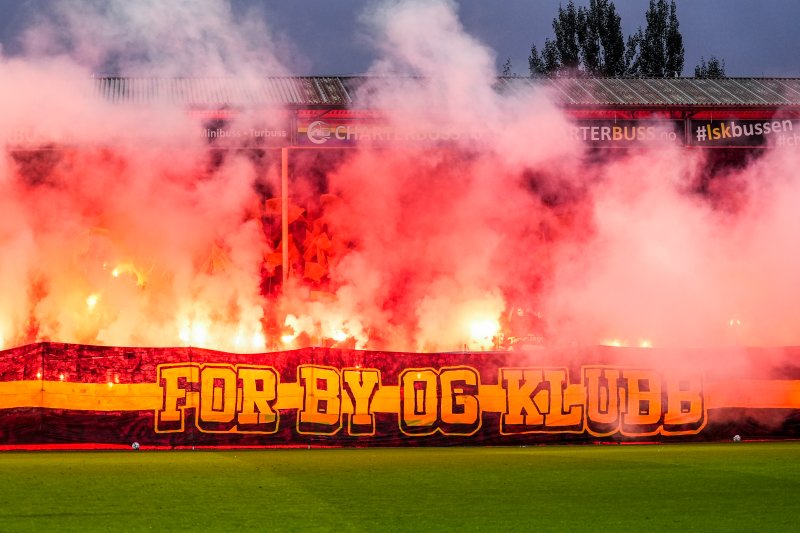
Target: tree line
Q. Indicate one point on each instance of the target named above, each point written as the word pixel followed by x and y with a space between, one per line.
pixel 588 41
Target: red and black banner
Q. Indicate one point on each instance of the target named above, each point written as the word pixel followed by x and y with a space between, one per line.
pixel 60 394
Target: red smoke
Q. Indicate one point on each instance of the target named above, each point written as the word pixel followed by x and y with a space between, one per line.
pixel 121 227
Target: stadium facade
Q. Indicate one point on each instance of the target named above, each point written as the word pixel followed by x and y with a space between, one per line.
pixel 54 394
pixel 612 112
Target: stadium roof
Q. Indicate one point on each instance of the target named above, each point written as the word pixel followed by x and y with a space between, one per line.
pixel 341 91
pixel 282 90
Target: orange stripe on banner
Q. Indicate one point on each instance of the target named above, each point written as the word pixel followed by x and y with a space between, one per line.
pixel 20 394
pixel 387 400
pixel 101 397
pixel 148 396
pixel 290 396
pixel 81 396
pixel 737 393
pixel 753 393
pixel 492 398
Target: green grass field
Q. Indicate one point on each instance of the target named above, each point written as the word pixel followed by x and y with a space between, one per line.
pixel 696 487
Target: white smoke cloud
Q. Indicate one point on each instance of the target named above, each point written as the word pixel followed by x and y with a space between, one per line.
pixel 153 38
pixel 124 229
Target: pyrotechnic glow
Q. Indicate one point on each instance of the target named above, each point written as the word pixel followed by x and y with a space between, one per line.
pixel 324 327
pixel 130 268
pixel 252 342
pixel 620 343
pixel 258 341
pixel 204 333
pixel 91 301
pixel 185 335
pixel 484 330
pixel 292 328
pixel 616 343
pixel 194 334
pixel 199 334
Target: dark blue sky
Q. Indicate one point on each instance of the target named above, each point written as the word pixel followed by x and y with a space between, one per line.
pixel 754 38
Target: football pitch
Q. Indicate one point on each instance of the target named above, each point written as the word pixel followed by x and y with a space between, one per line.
pixel 688 487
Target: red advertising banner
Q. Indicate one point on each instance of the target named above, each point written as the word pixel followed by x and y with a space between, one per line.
pixel 342 129
pixel 338 130
pixel 59 394
pixel 745 133
pixel 623 133
pixel 231 130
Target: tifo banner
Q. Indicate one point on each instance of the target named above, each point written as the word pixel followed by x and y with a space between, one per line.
pixel 53 394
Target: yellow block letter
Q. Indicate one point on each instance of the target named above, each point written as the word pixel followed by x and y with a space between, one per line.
pixel 217 398
pixel 259 388
pixel 322 403
pixel 361 385
pixel 174 381
pixel 460 406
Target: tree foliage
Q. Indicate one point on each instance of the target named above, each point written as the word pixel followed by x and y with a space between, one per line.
pixel 547 63
pixel 507 68
pixel 600 37
pixel 657 51
pixel 715 68
pixel 566 28
pixel 589 41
